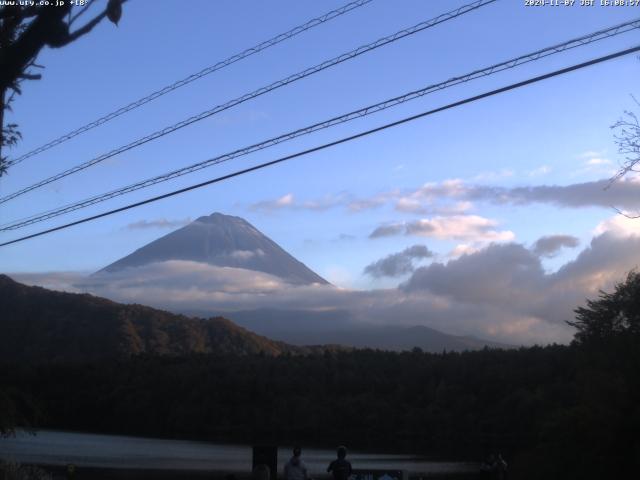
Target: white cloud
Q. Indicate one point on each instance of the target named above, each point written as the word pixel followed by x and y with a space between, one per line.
pixel 472 228
pixel 285 200
pixel 398 264
pixel 462 249
pixel 457 197
pixel 624 194
pixel 619 225
pixel 508 287
pixel 387 230
pixel 409 204
pixel 339 276
pixel 550 245
pixel 598 161
pixel 415 205
pixel 591 154
pixel 433 199
pixel 370 203
pixel 272 205
pixel 324 203
pixel 500 292
pixel 601 193
pixel 158 223
pixel 595 164
pixel 288 201
pixel 459 227
pixel 246 254
pixel 454 187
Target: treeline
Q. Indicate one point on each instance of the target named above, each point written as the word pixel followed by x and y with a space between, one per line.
pixel 558 411
pixel 554 412
pixel 40 325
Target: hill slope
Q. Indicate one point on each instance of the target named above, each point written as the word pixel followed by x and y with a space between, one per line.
pixel 224 241
pixel 43 325
pixel 336 327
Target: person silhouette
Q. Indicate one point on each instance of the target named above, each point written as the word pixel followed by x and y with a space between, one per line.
pixel 340 468
pixel 295 469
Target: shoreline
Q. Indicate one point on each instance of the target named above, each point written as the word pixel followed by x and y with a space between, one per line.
pixel 115 456
pixel 58 472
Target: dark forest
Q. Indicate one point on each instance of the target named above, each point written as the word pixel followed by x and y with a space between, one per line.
pixel 556 411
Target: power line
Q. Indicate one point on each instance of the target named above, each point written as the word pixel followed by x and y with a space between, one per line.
pixel 196 76
pixel 512 63
pixel 512 86
pixel 261 91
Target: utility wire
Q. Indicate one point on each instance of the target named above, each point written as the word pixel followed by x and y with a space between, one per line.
pixel 196 76
pixel 512 86
pixel 261 91
pixel 512 63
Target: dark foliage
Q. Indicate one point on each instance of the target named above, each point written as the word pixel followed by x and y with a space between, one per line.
pixel 37 324
pixel 25 29
pixel 554 412
pixel 613 315
pixel 627 137
pixel 553 409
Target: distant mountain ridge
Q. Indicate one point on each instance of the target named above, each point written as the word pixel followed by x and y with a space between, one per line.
pixel 228 241
pixel 40 325
pixel 37 324
pixel 224 241
pixel 337 327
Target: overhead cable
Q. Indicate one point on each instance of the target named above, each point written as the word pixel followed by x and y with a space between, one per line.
pixel 362 112
pixel 497 91
pixel 192 78
pixel 261 91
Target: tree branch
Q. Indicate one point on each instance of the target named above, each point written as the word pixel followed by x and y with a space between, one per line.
pixel 627 139
pixel 71 37
pixel 46 26
pixel 30 76
pixel 24 32
pixel 22 13
pixel 84 9
pixel 82 31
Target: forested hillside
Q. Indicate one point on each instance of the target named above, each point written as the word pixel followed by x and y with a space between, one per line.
pixel 549 409
pixel 555 412
pixel 37 324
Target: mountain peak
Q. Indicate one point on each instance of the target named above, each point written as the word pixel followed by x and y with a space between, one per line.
pixel 224 241
pixel 217 217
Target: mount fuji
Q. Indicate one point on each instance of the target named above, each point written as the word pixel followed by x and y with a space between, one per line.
pixel 223 241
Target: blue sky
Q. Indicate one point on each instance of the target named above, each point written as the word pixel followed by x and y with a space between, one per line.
pixel 553 133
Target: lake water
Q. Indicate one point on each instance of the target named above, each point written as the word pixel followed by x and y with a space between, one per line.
pixel 112 451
